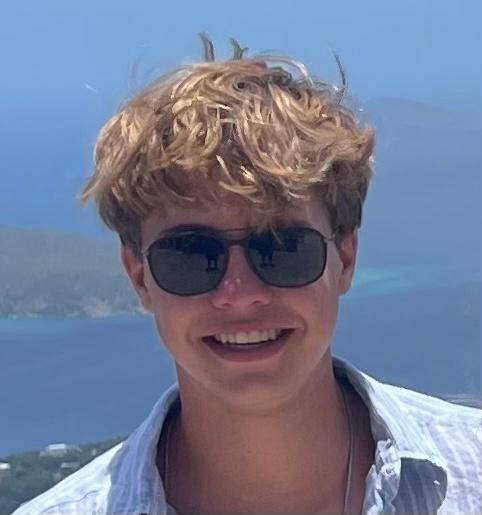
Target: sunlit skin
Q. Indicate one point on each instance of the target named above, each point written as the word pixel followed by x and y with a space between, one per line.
pixel 270 435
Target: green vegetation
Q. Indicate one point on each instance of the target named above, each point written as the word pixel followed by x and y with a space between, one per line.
pixel 43 273
pixel 31 473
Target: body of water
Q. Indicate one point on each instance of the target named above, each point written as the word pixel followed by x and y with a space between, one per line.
pixel 76 380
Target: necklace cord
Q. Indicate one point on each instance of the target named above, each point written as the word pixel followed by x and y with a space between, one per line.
pixel 347 497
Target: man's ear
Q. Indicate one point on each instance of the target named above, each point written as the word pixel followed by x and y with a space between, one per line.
pixel 135 271
pixel 347 252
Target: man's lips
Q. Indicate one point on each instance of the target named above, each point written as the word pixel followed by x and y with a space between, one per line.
pixel 212 339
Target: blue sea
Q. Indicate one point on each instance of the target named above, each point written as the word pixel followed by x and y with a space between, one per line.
pixel 77 380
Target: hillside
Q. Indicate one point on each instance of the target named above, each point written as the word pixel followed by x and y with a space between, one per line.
pixel 32 473
pixel 48 273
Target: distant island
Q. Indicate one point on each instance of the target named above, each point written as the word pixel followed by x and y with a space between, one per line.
pixel 44 273
pixel 26 475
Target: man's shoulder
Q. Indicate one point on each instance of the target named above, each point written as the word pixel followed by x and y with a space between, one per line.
pixel 427 408
pixel 398 405
pixel 83 491
pixel 423 424
pixel 436 445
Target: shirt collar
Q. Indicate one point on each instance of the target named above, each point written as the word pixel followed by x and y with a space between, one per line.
pixel 390 417
pixel 136 486
pixel 401 445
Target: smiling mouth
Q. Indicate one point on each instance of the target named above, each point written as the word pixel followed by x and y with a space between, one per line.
pixel 279 335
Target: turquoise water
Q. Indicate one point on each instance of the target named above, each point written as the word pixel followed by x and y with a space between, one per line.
pixel 377 281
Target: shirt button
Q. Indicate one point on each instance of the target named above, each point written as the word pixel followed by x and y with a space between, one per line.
pixel 389 471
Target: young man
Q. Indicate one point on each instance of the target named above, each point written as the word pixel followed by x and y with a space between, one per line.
pixel 237 191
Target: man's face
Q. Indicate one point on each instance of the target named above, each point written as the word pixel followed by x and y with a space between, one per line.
pixel 243 299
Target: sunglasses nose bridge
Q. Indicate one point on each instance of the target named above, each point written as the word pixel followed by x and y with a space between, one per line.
pixel 243 243
pixel 239 242
pixel 240 287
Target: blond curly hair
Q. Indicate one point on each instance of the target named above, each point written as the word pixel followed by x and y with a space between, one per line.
pixel 243 127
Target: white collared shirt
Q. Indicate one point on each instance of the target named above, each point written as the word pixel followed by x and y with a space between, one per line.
pixel 428 460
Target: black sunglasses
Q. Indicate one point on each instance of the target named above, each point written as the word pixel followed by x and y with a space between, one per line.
pixel 194 261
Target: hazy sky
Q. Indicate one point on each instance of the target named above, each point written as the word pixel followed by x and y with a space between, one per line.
pixel 425 50
pixel 67 65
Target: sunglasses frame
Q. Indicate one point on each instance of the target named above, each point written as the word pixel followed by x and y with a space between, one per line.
pixel 227 243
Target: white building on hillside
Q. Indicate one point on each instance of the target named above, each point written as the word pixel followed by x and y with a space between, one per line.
pixel 5 470
pixel 58 450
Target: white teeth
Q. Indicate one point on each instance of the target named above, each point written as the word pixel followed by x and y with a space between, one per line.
pixel 243 337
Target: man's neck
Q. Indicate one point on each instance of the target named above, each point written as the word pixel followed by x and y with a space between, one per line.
pixel 295 459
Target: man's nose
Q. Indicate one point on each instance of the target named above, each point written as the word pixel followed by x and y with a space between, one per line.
pixel 240 286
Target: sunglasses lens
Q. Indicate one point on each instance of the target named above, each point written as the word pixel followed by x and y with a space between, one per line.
pixel 291 257
pixel 187 264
